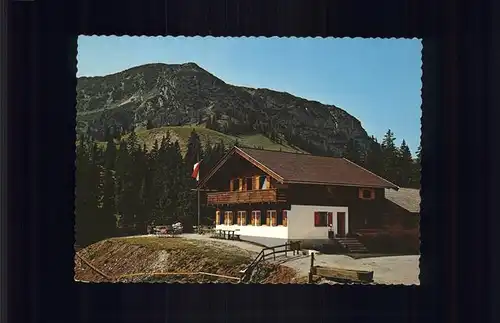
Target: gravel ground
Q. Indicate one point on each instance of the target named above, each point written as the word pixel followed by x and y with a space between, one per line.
pixel 241 244
pixel 386 270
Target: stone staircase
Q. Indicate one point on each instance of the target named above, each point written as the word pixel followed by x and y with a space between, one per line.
pixel 351 245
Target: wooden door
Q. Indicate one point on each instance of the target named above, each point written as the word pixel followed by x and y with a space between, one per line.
pixel 329 223
pixel 341 224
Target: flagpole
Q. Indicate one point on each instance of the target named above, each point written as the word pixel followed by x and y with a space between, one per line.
pixel 198 193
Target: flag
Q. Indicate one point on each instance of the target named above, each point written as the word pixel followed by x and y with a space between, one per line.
pixel 264 183
pixel 196 171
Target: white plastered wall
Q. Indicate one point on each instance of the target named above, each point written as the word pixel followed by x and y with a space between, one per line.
pixel 279 232
pixel 301 221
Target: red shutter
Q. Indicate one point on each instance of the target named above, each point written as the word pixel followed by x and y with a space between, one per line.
pixel 316 218
pixel 330 218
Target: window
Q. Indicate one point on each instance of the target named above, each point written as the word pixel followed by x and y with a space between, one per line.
pixel 255 217
pixel 228 218
pixel 320 219
pixel 218 219
pixel 366 194
pixel 242 218
pixel 271 218
pixel 262 180
pixel 248 183
pixel 284 220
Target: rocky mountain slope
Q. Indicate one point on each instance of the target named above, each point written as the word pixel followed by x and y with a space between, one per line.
pixel 160 95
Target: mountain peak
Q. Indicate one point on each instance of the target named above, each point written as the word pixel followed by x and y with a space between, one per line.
pixel 191 64
pixel 161 94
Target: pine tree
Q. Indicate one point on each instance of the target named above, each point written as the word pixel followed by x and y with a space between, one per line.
pixel 208 158
pixel 107 133
pixel 352 151
pixel 419 154
pixel 108 211
pixel 405 165
pixel 110 154
pixel 149 191
pixel 138 178
pixel 124 186
pixel 83 224
pixel 390 156
pixel 162 182
pixel 374 161
pixel 416 168
pixel 132 142
pixel 209 123
pixel 93 194
pixel 194 151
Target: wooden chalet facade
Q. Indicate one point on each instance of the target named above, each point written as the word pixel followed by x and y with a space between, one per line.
pixel 273 196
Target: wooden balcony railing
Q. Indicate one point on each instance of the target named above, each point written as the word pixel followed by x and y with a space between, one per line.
pixel 240 197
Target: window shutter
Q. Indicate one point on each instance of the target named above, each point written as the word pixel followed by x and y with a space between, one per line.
pixel 285 220
pixel 372 195
pixel 231 183
pixel 330 218
pixel 240 182
pixel 316 218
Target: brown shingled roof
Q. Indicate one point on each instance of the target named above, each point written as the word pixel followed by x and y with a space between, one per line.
pixel 407 198
pixel 308 169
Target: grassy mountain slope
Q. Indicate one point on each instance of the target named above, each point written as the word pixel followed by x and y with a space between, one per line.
pixel 182 133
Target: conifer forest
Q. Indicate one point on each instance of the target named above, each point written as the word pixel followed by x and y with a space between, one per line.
pixel 122 187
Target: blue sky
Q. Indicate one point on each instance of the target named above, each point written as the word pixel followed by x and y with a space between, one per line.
pixel 376 80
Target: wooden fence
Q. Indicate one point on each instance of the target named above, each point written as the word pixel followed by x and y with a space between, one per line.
pixel 292 246
pixel 115 278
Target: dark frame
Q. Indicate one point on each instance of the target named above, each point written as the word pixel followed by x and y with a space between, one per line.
pixel 38 119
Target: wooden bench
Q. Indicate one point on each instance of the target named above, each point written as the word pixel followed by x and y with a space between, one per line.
pixel 363 276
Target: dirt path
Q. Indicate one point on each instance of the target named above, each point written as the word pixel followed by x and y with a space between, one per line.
pixel 386 270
